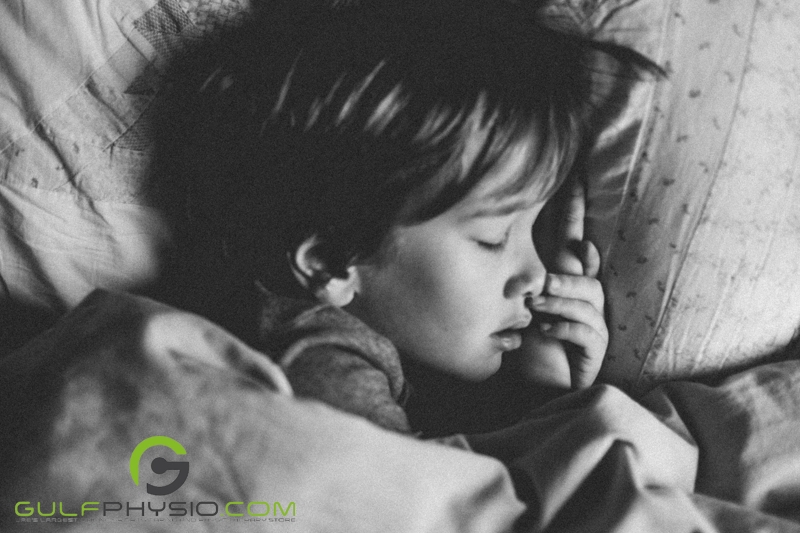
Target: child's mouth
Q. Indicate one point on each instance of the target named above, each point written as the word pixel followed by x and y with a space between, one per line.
pixel 508 339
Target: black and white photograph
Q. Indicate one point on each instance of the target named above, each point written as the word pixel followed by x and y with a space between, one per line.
pixel 446 266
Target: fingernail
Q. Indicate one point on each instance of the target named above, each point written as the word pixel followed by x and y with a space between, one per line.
pixel 544 326
pixel 552 282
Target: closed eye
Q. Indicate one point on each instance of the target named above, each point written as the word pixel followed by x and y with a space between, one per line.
pixel 493 245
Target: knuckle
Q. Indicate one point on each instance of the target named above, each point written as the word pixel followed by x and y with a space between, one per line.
pixel 573 330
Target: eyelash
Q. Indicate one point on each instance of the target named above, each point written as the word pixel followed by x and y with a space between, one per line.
pixel 494 246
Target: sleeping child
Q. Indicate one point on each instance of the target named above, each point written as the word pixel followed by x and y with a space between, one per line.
pixel 355 188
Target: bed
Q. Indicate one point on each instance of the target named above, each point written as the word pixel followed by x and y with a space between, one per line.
pixel 692 189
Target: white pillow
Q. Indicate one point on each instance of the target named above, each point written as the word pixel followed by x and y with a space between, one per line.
pixel 700 228
pixel 78 82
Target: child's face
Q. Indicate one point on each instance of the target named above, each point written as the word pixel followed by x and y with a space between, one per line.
pixel 450 291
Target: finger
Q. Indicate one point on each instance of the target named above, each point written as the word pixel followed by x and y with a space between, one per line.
pixel 573 310
pixel 574 213
pixel 585 361
pixel 584 370
pixel 576 287
pixel 590 259
pixel 544 361
pixel 568 262
pixel 568 259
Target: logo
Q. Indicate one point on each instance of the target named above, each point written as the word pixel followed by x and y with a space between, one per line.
pixel 159 465
pixel 256 510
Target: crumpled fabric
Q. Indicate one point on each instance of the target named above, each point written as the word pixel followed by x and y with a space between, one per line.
pixel 596 460
pixel 119 369
pixel 748 430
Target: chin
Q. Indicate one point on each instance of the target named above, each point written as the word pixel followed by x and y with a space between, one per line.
pixel 489 368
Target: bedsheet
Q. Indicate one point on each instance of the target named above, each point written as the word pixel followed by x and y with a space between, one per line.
pixel 80 402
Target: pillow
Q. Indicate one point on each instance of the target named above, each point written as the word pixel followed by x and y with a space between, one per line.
pixel 694 190
pixel 78 84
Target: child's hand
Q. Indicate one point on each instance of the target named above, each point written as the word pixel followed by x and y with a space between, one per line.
pixel 568 337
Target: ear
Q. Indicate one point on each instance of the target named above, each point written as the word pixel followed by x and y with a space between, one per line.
pixel 313 274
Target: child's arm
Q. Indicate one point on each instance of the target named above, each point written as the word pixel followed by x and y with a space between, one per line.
pixel 569 337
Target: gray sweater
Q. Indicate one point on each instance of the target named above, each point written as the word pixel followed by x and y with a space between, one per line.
pixel 331 356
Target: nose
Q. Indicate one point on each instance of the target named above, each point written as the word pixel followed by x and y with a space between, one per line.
pixel 528 275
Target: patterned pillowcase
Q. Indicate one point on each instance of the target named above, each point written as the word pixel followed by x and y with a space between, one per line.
pixel 693 191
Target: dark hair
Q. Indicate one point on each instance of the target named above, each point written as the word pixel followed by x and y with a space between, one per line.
pixel 326 118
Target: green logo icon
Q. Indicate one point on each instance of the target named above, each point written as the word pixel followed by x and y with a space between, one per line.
pixel 159 465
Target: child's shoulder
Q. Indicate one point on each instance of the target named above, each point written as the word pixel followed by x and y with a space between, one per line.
pixel 332 356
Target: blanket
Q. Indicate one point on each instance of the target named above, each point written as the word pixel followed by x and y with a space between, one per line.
pixel 129 415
